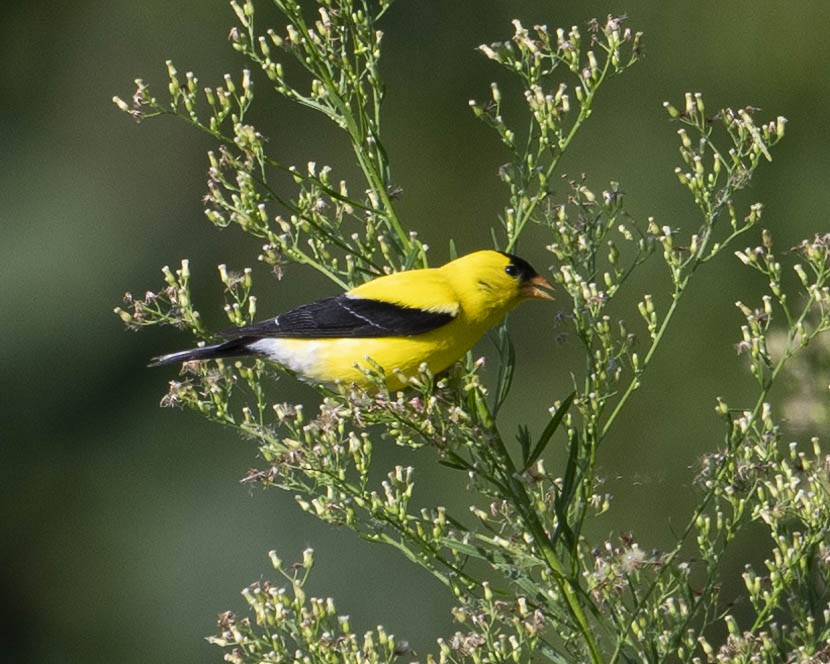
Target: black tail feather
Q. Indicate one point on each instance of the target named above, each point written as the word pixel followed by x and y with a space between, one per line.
pixel 233 348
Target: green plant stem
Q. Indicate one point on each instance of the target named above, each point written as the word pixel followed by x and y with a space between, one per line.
pixel 567 585
pixel 634 383
pixel 562 146
pixel 375 171
pixel 704 505
pixel 711 214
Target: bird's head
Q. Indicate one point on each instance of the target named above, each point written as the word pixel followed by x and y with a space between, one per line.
pixel 492 283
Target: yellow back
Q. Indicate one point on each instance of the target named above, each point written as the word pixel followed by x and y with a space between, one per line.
pixel 475 285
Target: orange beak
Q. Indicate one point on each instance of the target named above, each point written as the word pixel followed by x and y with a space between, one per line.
pixel 538 287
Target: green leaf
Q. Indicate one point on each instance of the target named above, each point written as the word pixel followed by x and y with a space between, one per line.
pixel 523 436
pixel 452 464
pixel 507 363
pixel 563 498
pixel 550 429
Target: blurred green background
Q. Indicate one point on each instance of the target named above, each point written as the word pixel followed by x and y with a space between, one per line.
pixel 125 529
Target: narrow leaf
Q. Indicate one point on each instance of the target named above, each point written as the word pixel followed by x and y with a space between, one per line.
pixel 563 498
pixel 524 443
pixel 452 464
pixel 550 429
pixel 507 363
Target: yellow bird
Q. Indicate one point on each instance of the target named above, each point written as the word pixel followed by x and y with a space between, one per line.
pixel 400 321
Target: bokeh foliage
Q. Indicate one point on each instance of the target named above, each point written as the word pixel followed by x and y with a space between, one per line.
pixel 84 521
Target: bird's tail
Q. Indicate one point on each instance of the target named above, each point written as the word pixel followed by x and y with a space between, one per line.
pixel 232 348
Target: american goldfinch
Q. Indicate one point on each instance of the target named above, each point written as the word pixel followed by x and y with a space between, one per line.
pixel 399 321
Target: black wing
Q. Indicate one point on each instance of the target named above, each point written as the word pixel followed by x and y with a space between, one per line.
pixel 343 316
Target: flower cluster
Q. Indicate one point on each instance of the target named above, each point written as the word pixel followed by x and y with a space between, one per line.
pixel 536 56
pixel 300 628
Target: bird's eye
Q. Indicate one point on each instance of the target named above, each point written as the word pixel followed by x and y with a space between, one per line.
pixel 512 270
